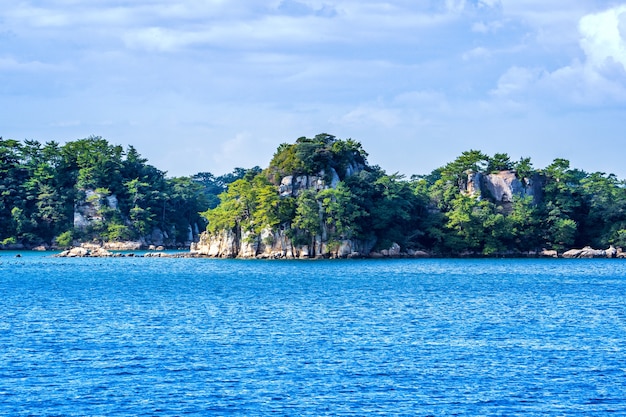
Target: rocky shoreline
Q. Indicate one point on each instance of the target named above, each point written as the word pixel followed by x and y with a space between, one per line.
pixel 130 249
pixel 97 251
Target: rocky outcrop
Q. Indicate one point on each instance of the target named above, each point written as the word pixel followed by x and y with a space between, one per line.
pixel 82 252
pixel 418 254
pixel 277 245
pixel 545 253
pixel 88 211
pixel 503 186
pixel 270 244
pixel 589 252
pixel 100 250
pixel 221 245
pixel 393 252
pixel 293 185
pixel 128 245
pixel 93 251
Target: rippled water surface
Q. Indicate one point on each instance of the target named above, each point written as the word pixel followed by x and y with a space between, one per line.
pixel 153 336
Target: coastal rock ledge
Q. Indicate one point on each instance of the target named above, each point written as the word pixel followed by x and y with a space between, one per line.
pixel 81 252
pixel 589 252
pixel 277 245
pixel 228 248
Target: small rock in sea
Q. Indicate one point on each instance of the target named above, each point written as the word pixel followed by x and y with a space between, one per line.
pixel 18 255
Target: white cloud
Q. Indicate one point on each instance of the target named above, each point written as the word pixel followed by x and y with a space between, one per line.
pixel 268 30
pixel 407 111
pixel 221 83
pixel 515 80
pixel 604 37
pixel 353 26
pixel 581 84
pixel 599 78
pixel 551 24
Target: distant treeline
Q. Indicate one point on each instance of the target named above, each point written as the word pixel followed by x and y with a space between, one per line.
pixel 41 185
pixel 448 211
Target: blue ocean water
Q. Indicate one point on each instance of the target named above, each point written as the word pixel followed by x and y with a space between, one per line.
pixel 165 337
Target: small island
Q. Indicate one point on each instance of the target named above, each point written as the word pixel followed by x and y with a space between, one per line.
pixel 318 198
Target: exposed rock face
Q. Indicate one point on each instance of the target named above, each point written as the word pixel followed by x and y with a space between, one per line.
pixel 276 245
pixel 588 252
pixel 82 252
pixel 503 186
pixel 129 245
pixel 292 186
pixel 474 181
pixel 353 168
pixel 393 252
pixel 87 211
pixel 157 237
pixel 221 245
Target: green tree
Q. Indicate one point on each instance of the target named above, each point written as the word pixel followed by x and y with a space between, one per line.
pixel 340 212
pixel 307 218
pixel 499 162
pixel 65 239
pixel 524 169
pixel 453 177
pixel 267 207
pixel 525 224
pixel 234 210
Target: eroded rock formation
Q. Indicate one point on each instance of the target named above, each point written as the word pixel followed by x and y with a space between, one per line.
pixel 503 186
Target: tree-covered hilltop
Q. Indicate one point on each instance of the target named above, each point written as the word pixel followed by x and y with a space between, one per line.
pixel 89 189
pixel 318 193
pixel 319 196
pixel 492 205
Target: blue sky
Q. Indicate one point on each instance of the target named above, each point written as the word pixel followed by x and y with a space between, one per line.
pixel 208 85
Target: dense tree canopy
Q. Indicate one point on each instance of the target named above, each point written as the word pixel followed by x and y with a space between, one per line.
pixel 41 185
pixel 446 212
pixel 438 212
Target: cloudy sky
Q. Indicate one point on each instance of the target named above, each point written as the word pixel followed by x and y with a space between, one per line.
pixel 209 85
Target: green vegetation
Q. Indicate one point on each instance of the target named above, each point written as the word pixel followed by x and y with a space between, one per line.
pixel 120 196
pixel 364 202
pixel 316 190
pixel 449 211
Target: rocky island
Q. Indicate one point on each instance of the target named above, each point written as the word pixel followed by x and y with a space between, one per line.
pixel 318 198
